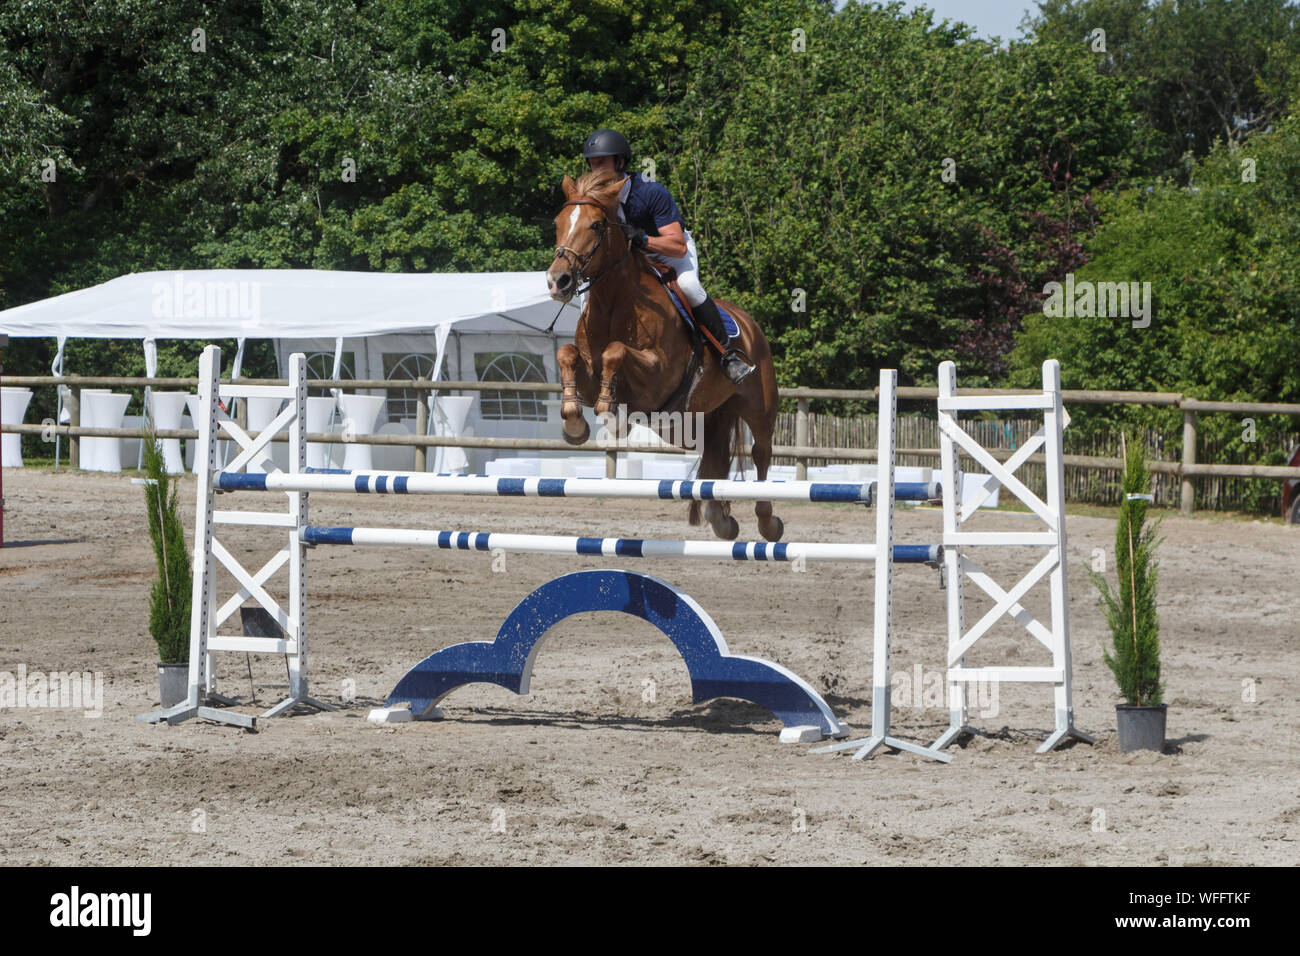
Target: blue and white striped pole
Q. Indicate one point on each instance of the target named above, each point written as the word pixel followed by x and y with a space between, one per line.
pixel 415 483
pixel 615 547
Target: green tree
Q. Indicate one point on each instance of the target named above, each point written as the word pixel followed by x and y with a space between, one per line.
pixel 459 118
pixel 814 161
pixel 171 595
pixel 1131 607
pixel 1219 255
pixel 1202 70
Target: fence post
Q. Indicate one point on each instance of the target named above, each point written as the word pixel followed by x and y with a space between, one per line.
pixel 1187 505
pixel 611 464
pixel 74 419
pixel 421 424
pixel 801 438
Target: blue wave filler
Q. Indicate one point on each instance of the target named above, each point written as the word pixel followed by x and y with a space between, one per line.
pixel 508 660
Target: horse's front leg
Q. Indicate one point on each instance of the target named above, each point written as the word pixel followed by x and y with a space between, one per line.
pixel 620 364
pixel 576 382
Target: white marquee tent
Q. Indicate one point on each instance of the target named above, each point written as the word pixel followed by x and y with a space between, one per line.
pixel 302 305
pixel 484 326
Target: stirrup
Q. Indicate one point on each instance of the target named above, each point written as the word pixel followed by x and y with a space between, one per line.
pixel 737 368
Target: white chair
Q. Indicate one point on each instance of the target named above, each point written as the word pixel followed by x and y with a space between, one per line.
pixel 261 412
pixel 187 422
pixel 101 408
pixel 394 457
pixel 360 416
pixel 192 406
pixel 13 406
pixel 320 412
pixel 132 449
pixel 166 410
pixel 448 416
pixel 192 446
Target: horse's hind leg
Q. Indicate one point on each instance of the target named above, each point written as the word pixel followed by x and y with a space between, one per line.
pixel 769 525
pixel 723 522
pixel 715 462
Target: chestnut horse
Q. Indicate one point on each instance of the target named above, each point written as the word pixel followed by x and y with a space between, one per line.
pixel 631 347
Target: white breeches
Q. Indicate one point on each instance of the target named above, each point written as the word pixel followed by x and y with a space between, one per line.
pixel 688 272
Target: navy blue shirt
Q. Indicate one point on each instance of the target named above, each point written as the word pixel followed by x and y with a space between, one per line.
pixel 649 205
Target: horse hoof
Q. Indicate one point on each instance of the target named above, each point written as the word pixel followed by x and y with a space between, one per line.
pixel 728 529
pixel 580 439
pixel 780 529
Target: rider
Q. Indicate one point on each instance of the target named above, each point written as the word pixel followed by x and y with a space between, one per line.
pixel 655 225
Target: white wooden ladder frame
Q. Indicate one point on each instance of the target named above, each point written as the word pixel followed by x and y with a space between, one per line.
pixel 205 615
pixel 960 567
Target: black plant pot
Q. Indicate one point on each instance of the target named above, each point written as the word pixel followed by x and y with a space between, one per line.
pixel 173 683
pixel 1141 728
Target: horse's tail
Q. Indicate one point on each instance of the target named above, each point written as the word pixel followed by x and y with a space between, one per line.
pixel 721 444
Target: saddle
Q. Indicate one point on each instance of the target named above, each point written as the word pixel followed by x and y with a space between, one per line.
pixel 668 276
pixel 680 397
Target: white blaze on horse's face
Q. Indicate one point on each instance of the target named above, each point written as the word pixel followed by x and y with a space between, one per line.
pixel 581 238
pixel 561 281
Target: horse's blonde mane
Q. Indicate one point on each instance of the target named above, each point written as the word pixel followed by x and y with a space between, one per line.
pixel 597 181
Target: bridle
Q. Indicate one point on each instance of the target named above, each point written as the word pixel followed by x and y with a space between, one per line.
pixel 578 266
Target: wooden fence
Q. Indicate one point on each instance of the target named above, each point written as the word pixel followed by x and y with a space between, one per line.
pixel 1088 483
pixel 1234 482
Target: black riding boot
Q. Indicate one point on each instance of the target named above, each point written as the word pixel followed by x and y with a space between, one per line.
pixel 735 366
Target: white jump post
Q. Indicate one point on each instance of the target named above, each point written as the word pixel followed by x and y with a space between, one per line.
pixel 959 566
pixel 881 699
pixel 209 554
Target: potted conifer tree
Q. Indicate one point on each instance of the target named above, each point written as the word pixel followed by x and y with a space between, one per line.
pixel 169 599
pixel 1131 614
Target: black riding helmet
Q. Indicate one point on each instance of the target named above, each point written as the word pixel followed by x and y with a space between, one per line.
pixel 607 142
